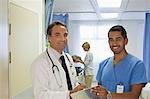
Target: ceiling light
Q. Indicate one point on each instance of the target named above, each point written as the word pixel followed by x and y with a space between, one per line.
pixel 109 3
pixel 109 15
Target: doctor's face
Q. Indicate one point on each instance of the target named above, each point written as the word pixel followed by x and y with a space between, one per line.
pixel 116 42
pixel 58 38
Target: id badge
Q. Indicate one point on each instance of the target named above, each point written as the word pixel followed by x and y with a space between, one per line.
pixel 120 88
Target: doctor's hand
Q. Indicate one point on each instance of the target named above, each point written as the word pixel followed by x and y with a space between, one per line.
pixel 78 88
pixel 100 91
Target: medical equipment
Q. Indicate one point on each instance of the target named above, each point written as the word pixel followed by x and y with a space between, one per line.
pixel 55 70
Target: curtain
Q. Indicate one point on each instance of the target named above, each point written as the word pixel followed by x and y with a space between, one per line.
pixel 60 17
pixel 64 19
pixel 48 17
pixel 146 48
pixel 48 12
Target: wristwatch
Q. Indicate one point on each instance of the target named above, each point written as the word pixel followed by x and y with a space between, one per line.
pixel 109 96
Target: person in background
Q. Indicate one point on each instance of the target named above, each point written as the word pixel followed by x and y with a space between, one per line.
pixel 78 64
pixel 121 76
pixel 53 72
pixel 88 64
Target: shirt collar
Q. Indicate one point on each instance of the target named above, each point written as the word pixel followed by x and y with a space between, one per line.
pixel 56 54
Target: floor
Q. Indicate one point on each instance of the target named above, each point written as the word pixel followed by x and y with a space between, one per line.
pixel 27 94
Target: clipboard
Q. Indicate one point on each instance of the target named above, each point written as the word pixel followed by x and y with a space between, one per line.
pixel 84 94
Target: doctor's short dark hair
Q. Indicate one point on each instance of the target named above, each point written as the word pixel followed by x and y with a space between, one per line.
pixel 120 29
pixel 56 23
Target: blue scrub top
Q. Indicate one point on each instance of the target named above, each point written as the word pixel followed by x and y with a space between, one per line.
pixel 128 71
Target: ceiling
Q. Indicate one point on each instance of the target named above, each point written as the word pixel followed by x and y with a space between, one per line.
pixel 88 9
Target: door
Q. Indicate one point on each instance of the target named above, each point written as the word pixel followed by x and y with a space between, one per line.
pixel 24 44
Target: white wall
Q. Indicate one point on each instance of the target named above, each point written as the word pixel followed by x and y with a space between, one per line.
pixel 4 49
pixel 73 34
pixel 135 32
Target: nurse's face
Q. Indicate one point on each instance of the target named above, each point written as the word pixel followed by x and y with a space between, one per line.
pixel 85 48
pixel 58 38
pixel 117 42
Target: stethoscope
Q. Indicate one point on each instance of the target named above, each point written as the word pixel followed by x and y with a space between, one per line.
pixel 55 70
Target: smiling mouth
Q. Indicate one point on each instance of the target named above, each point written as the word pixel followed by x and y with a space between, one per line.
pixel 61 42
pixel 115 48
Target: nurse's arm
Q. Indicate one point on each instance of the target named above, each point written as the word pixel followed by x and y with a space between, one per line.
pixel 134 94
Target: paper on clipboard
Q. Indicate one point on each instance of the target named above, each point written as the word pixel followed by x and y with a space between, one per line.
pixel 84 94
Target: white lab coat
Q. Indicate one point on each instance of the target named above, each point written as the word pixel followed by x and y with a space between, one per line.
pixel 88 61
pixel 44 81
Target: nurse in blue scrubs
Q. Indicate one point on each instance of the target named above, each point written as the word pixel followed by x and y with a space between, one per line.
pixel 121 76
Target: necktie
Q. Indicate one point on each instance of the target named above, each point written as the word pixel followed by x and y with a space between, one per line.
pixel 67 73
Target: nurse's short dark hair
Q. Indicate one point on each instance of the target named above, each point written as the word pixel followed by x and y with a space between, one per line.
pixel 56 23
pixel 120 29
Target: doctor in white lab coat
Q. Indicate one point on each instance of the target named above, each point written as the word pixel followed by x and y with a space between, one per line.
pixel 49 77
